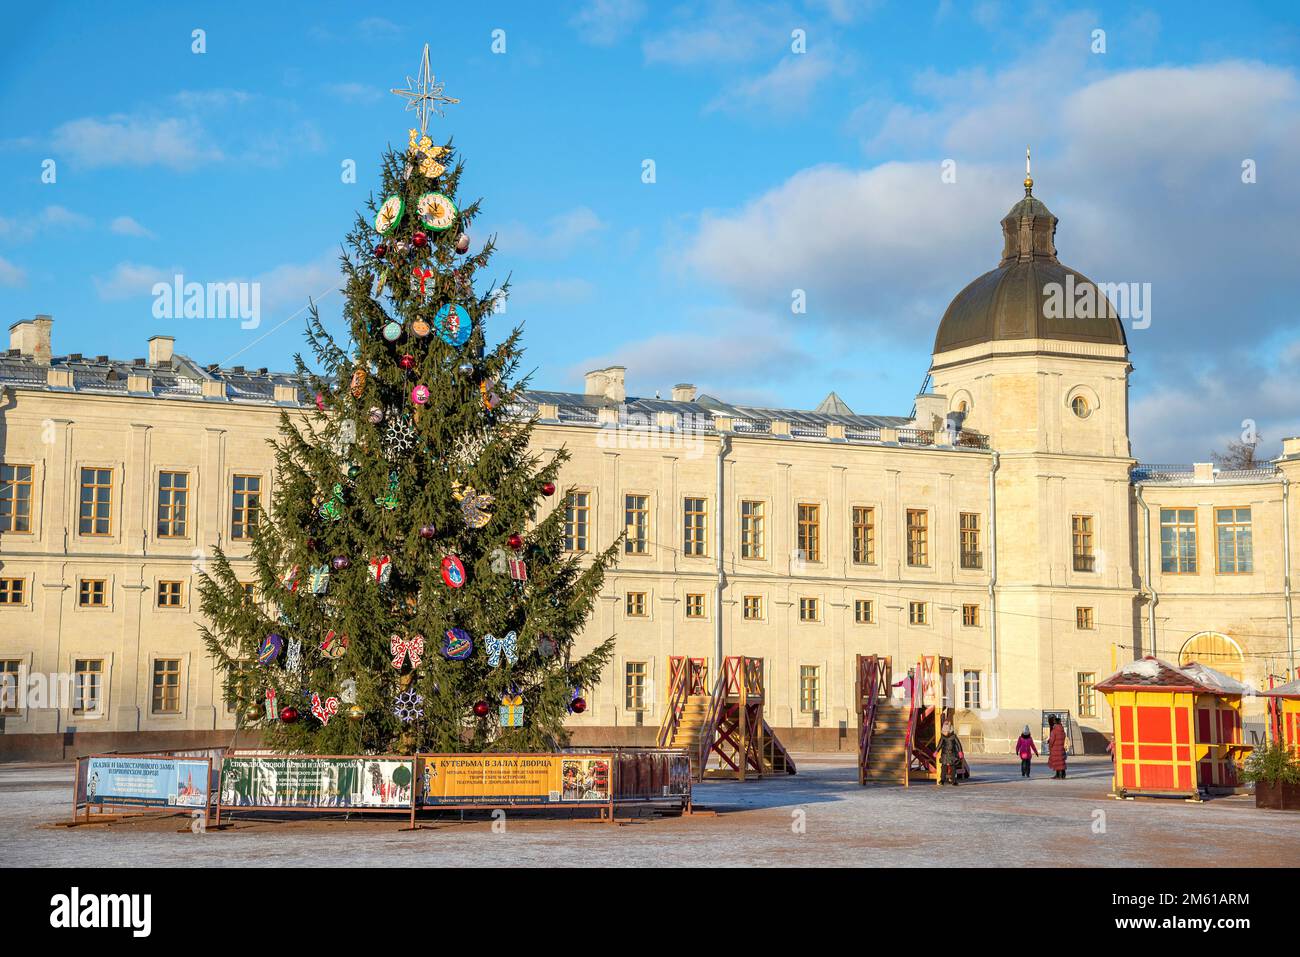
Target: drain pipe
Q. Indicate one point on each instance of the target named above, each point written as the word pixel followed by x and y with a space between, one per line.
pixel 995 694
pixel 1150 582
pixel 724 443
pixel 1286 569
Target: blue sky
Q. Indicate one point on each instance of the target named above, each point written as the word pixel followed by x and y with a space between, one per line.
pixel 775 171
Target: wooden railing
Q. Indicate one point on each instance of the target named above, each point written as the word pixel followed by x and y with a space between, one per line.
pixel 874 681
pixel 686 677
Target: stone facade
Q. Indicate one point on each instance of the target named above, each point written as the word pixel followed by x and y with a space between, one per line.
pixel 1009 529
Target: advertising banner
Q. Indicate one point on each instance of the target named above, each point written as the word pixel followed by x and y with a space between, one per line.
pixel 147 781
pixel 317 782
pixel 514 778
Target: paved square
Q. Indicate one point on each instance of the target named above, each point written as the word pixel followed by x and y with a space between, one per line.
pixel 819 817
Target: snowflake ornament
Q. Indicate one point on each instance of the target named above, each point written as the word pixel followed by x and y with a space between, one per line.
pixel 407 706
pixel 399 437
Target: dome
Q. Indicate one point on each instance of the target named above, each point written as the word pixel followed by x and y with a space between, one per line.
pixel 1014 301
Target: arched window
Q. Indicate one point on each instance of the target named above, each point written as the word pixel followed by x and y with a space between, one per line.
pixel 1080 406
pixel 1214 651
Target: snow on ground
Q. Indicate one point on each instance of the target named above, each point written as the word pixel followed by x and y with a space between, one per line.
pixel 819 817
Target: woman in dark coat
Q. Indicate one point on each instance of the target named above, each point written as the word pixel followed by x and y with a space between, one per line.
pixel 1056 746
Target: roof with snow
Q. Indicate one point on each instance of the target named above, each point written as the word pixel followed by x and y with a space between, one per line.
pixel 1289 690
pixel 1155 674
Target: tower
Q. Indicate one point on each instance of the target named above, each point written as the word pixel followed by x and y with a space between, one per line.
pixel 1048 383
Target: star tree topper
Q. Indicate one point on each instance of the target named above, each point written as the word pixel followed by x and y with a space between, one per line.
pixel 423 94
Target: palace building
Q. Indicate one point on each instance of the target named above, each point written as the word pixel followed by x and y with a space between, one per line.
pixel 1004 524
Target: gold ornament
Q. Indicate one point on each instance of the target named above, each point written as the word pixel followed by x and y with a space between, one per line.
pixel 422 151
pixel 355 713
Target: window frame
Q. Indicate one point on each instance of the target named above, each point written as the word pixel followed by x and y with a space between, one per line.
pixel 82 592
pixel 19 671
pixel 572 511
pixel 184 507
pixel 96 500
pixel 239 514
pixel 970 558
pixel 701 613
pixel 745 604
pixel 808 531
pixel 1085 618
pixel 862 534
pixel 695 537
pixel 78 699
pixel 1083 541
pixel 917 536
pixel 1178 527
pixel 1086 709
pixel 642 688
pixel 870 605
pixel 970 615
pixel 7 590
pixel 913 619
pixel 178 592
pixel 1236 524
pixel 810 678
pixel 972 702
pixel 753 529
pixel 810 603
pixel 154 675
pixel 642 540
pixel 15 484
pixel 642 604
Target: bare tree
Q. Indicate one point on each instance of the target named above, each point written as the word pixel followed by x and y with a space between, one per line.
pixel 1238 455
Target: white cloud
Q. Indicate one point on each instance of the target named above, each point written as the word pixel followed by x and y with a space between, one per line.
pixel 129 280
pixel 127 226
pixel 726 32
pixel 10 274
pixel 605 22
pixel 121 140
pixel 23 229
pixel 786 88
pixel 559 237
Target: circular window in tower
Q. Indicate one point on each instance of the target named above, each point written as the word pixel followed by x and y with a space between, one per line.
pixel 1081 407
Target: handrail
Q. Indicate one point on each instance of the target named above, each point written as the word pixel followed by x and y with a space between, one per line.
pixel 677 686
pixel 909 738
pixel 705 744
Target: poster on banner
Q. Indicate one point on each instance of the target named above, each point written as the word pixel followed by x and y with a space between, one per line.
pixel 513 779
pixel 316 782
pixel 146 781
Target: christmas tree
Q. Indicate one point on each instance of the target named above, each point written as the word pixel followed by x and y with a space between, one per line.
pixel 407 596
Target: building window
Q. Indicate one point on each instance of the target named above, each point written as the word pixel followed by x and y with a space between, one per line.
pixel 245 506
pixel 634 604
pixel 971 689
pixel 1080 407
pixel 695 530
pixel 1178 541
pixel 577 511
pixel 96 516
pixel 636 518
pixel 918 536
pixel 16 499
pixel 241 684
pixel 250 592
pixel 13 591
pixel 753 607
pixel 1081 536
pixel 810 690
pixel 864 535
pixel 173 503
pixel 753 543
pixel 1083 619
pixel 971 555
pixel 864 611
pixel 1232 533
pixel 970 616
pixel 810 532
pixel 634 684
pixel 1087 695
pixel 167 686
pixel 694 606
pixel 809 609
pixel 169 594
pixel 918 613
pixel 9 670
pixel 91 592
pixel 86 677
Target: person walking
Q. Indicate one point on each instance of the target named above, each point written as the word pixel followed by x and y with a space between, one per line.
pixel 950 756
pixel 1027 751
pixel 1056 746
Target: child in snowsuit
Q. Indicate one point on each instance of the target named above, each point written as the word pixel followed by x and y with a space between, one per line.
pixel 1027 750
pixel 950 756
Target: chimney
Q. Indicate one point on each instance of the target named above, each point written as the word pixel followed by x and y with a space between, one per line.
pixel 31 337
pixel 607 383
pixel 160 350
pixel 683 392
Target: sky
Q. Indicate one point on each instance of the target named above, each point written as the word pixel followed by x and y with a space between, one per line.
pixel 798 149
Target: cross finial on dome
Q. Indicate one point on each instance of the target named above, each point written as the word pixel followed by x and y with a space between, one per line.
pixel 1029 180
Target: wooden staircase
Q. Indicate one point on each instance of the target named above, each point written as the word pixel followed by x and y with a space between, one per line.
pixel 776 759
pixel 689 732
pixel 891 743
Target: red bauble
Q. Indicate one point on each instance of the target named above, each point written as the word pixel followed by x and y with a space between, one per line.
pixel 578 705
pixel 288 714
pixel 481 709
pixel 427 531
pixel 407 361
pixel 381 251
pixel 515 541
pixel 418 239
pixel 548 488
